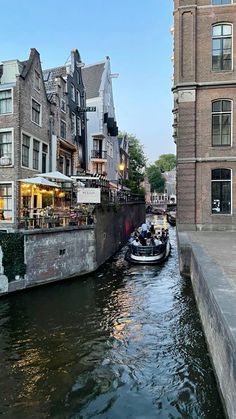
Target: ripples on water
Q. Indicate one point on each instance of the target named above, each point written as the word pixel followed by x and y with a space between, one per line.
pixel 125 342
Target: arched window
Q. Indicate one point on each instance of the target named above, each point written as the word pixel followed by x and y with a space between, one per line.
pixel 221 191
pixel 222 47
pixel 221 122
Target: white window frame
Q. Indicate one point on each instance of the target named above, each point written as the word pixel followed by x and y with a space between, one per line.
pixel 79 125
pixel 4 90
pixel 12 151
pixel 64 122
pixel 41 142
pixel 232 122
pixel 78 98
pixel 40 113
pixel 30 148
pixel 73 124
pixel 12 200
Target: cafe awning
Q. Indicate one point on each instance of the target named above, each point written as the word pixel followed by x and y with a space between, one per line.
pixel 58 176
pixel 38 180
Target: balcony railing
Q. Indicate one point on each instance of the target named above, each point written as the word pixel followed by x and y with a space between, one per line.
pixel 96 154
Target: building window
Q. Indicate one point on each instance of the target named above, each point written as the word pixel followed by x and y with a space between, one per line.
pixel 44 157
pixel 221 47
pixel 35 154
pixel 5 101
pixel 221 191
pixel 72 92
pixel 78 98
pixel 221 123
pixel 79 126
pixel 6 202
pixel 217 2
pixel 63 129
pixel 37 80
pixel 68 167
pixel 5 148
pixel 63 105
pixel 36 112
pixel 73 124
pixel 25 150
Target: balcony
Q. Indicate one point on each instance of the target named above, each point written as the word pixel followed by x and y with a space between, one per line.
pixel 98 155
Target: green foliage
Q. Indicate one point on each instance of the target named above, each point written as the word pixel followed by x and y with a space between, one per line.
pixel 166 162
pixel 137 163
pixel 155 178
pixel 13 254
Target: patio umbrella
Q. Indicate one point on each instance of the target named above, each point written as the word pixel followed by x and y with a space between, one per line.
pixel 58 176
pixel 38 180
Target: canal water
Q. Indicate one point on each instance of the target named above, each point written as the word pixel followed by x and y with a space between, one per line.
pixel 125 342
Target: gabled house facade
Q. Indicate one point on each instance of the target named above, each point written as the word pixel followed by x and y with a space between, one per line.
pixel 24 135
pixel 65 90
pixel 102 131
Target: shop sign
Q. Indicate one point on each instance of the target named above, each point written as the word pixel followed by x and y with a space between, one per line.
pixel 89 196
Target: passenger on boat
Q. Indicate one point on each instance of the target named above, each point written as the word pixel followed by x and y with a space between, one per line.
pixel 149 239
pixel 152 228
pixel 163 235
pixel 144 228
pixel 136 242
pixel 157 240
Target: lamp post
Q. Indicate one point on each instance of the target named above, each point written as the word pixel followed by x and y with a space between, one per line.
pixel 122 168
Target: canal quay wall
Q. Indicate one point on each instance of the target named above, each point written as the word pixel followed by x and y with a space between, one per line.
pixel 37 257
pixel 209 259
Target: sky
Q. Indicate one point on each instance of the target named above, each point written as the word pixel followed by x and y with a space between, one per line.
pixel 134 34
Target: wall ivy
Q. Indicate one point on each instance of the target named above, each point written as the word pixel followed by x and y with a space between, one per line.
pixel 13 255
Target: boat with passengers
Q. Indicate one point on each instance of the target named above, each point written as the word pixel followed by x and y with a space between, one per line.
pixel 148 247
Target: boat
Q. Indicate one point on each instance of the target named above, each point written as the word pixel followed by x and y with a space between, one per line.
pixel 148 255
pixel 171 218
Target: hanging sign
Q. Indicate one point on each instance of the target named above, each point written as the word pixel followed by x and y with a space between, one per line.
pixel 87 109
pixel 89 196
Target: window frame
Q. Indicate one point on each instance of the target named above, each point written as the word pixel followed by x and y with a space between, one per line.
pixel 12 202
pixel 221 113
pixel 63 123
pixel 220 4
pixel 5 90
pixel 36 153
pixel 23 146
pixel 221 38
pixel 40 112
pixel 37 81
pixel 2 130
pixel 221 181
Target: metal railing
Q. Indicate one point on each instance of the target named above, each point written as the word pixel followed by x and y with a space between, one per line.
pixel 97 154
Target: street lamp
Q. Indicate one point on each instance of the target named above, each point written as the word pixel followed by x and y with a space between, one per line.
pixel 122 168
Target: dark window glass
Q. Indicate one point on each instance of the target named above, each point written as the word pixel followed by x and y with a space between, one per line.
pixel 63 129
pixel 221 191
pixel 221 123
pixel 25 150
pixel 35 154
pixel 36 112
pixel 222 47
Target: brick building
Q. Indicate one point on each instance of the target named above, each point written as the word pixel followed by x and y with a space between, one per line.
pixel 204 113
pixel 24 134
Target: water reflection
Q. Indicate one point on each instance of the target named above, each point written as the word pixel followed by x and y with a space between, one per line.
pixel 125 342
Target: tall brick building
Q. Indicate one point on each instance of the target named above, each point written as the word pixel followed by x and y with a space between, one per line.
pixel 204 113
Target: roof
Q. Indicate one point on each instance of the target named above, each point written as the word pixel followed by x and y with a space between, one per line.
pixel 92 77
pixel 50 75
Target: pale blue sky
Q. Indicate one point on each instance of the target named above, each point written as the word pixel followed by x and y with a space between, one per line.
pixel 136 36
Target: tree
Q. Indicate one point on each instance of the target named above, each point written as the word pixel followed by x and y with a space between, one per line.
pixel 166 162
pixel 137 163
pixel 155 178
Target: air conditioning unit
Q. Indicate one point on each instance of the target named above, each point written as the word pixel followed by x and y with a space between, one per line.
pixel 5 161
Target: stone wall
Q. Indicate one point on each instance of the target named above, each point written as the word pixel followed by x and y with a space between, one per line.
pixel 216 302
pixel 59 253
pixel 114 224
